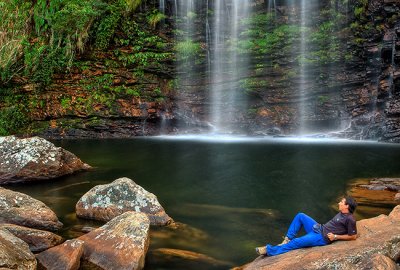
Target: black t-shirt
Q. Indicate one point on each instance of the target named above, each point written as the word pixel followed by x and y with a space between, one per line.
pixel 340 224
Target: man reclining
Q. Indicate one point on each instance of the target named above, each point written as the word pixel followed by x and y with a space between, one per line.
pixel 340 227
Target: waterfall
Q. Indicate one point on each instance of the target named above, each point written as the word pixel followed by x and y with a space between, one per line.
pixel 225 66
pixel 162 6
pixel 271 5
pixel 303 54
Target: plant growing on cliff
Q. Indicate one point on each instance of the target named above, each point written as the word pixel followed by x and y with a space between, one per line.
pixel 154 18
pixel 12 119
pixel 14 28
pixel 187 49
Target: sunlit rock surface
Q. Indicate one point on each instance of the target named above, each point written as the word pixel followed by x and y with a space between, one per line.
pixel 121 244
pixel 37 240
pixel 34 159
pixel 378 235
pixel 104 202
pixel 21 209
pixel 66 256
pixel 15 253
pixel 183 259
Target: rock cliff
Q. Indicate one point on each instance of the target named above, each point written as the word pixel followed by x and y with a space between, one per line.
pixel 347 79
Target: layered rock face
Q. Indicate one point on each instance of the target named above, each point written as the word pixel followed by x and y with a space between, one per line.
pixel 373 100
pixel 378 235
pixel 34 159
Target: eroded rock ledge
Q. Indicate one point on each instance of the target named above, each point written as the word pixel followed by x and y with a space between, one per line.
pixel 378 241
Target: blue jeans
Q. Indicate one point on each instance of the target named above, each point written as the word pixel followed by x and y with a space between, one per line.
pixel 311 239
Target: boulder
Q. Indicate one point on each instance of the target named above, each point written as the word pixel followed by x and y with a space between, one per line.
pixel 104 202
pixel 37 240
pixel 121 244
pixel 34 159
pixel 167 258
pixel 63 257
pixel 21 209
pixel 378 235
pixel 15 253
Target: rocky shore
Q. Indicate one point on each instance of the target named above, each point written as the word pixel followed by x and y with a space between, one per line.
pixel 29 240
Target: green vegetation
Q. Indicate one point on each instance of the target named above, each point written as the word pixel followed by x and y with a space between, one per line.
pixel 264 36
pixel 187 49
pixel 155 17
pixel 40 38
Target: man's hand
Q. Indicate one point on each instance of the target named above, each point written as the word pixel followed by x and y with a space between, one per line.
pixel 334 237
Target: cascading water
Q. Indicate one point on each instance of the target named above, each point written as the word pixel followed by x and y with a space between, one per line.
pixel 303 53
pixel 212 28
pixel 225 66
pixel 162 6
pixel 271 6
pixel 225 87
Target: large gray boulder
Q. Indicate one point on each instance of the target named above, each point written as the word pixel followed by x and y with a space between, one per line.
pixel 104 202
pixel 378 235
pixel 34 159
pixel 121 244
pixel 15 253
pixel 21 209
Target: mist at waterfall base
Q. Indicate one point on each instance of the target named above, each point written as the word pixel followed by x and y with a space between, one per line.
pixel 232 195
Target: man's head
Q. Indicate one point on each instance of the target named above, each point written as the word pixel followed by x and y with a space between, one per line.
pixel 347 205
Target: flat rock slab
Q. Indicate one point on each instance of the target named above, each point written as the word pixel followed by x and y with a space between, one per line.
pixel 34 159
pixel 105 202
pixel 184 259
pixel 15 253
pixel 378 235
pixel 63 257
pixel 37 240
pixel 21 209
pixel 121 244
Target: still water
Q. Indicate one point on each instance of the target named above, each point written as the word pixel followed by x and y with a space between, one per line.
pixel 231 194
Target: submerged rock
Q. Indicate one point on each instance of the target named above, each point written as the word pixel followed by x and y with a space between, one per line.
pixel 104 202
pixel 121 244
pixel 37 240
pixel 66 256
pixel 378 235
pixel 183 259
pixel 15 253
pixel 33 159
pixel 375 195
pixel 21 209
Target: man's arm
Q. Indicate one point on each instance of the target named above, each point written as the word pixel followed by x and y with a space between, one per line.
pixel 346 237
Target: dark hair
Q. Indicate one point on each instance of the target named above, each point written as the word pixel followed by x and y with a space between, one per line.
pixel 351 202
